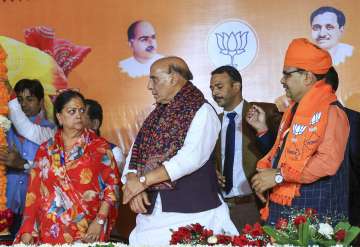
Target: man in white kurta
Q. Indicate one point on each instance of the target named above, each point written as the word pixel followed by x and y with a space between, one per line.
pixel 154 229
pixel 29 130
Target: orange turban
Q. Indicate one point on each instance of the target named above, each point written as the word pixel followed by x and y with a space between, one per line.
pixel 305 55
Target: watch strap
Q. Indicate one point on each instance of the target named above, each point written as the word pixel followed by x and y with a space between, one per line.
pixel 101 218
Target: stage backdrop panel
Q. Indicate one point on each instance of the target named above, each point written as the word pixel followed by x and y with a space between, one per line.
pixel 206 33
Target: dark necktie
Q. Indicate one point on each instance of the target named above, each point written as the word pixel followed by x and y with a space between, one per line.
pixel 229 152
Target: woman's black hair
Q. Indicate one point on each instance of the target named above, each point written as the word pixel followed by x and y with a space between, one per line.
pixel 62 99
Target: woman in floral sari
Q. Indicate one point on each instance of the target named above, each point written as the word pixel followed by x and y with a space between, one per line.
pixel 73 190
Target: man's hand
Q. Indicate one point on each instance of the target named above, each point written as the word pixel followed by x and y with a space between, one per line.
pixel 256 117
pixel 261 197
pixel 11 158
pixel 27 238
pixel 93 232
pixel 263 180
pixel 282 103
pixel 139 202
pixel 15 161
pixel 3 154
pixel 132 187
pixel 221 179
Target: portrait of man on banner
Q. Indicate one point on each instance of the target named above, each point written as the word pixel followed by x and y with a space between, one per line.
pixel 327 28
pixel 142 41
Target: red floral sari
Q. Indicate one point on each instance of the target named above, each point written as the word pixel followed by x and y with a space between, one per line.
pixel 66 190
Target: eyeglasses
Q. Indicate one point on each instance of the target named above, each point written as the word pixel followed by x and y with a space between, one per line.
pixel 287 74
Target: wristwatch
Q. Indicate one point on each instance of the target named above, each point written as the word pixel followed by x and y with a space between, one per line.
pixel 26 166
pixel 100 219
pixel 142 180
pixel 29 164
pixel 279 177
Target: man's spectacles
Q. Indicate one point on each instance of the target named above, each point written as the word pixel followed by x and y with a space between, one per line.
pixel 287 74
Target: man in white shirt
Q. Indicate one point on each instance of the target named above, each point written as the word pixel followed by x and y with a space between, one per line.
pixel 29 130
pixel 244 139
pixel 142 41
pixel 169 176
pixel 327 28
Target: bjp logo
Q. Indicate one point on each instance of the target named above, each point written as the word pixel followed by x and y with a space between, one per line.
pixel 234 43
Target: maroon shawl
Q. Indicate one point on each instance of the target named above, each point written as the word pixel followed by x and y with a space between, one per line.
pixel 164 131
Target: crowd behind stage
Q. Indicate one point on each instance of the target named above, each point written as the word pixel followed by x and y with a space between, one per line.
pixel 254 162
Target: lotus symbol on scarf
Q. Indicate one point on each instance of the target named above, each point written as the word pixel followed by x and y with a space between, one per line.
pixel 232 44
pixel 315 118
pixel 298 129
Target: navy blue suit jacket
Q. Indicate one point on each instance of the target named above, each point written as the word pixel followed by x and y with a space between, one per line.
pixel 353 156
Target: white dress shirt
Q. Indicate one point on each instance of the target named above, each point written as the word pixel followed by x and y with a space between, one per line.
pixel 29 130
pixel 154 229
pixel 241 186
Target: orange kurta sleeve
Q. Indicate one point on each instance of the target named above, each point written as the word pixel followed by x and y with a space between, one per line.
pixel 330 153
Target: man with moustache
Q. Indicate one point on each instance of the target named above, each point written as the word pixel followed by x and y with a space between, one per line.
pixel 169 177
pixel 244 139
pixel 142 41
pixel 304 167
pixel 328 24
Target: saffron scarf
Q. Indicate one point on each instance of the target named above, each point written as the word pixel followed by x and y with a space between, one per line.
pixel 164 131
pixel 306 131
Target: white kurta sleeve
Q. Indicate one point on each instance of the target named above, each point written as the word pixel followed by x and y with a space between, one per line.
pixel 126 168
pixel 118 155
pixel 199 143
pixel 25 127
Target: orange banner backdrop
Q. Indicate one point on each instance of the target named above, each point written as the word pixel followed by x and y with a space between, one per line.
pixel 185 28
pixel 182 28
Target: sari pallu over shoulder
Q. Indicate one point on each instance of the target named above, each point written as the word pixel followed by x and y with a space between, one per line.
pixel 66 190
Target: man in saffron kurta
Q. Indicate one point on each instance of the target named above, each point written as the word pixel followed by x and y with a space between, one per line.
pixel 304 169
pixel 170 179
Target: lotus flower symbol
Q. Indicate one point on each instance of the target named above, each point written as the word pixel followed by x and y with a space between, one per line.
pixel 315 118
pixel 232 44
pixel 298 129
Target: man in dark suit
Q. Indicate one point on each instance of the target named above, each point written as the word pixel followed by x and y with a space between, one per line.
pixel 240 145
pixel 354 157
pixel 352 154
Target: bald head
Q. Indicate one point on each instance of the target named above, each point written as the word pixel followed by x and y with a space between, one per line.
pixel 167 76
pixel 176 65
